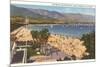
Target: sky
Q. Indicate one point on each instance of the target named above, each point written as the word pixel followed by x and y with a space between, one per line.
pixel 87 11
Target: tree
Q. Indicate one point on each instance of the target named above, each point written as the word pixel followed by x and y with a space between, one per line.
pixel 35 36
pixel 89 42
pixel 40 38
pixel 44 34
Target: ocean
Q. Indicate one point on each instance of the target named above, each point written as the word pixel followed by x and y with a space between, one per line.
pixel 73 30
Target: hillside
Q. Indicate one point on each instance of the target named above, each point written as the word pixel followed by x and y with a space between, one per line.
pixel 46 16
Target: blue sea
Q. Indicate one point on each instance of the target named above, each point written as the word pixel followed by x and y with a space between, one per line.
pixel 73 30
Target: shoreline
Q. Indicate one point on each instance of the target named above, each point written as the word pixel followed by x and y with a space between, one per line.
pixel 62 24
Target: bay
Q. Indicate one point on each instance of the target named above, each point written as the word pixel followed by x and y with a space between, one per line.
pixel 72 30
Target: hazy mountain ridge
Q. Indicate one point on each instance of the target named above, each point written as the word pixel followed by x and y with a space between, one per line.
pixel 51 14
pixel 41 13
pixel 17 11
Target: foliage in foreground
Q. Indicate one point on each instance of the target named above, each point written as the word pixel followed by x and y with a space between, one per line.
pixel 89 42
pixel 40 39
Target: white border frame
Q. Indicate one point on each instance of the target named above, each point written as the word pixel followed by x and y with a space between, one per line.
pixel 48 63
pixel 59 5
pixel 52 4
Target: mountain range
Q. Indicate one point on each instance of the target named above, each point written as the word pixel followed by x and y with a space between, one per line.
pixel 46 14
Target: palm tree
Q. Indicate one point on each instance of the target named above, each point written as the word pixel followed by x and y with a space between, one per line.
pixel 40 39
pixel 44 34
pixel 35 36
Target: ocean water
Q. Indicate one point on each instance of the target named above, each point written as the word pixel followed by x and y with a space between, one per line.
pixel 73 30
